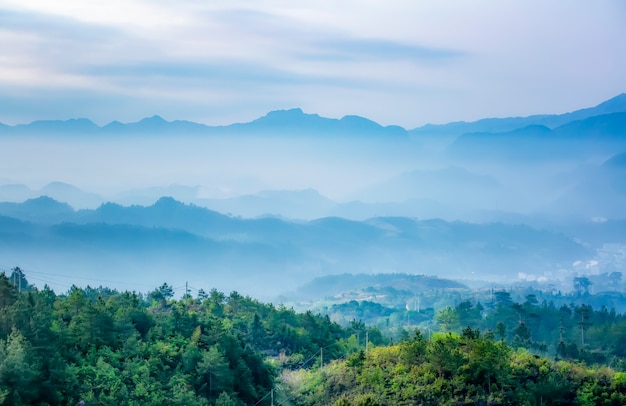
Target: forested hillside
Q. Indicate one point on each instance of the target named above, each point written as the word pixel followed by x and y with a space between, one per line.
pixel 97 346
pixel 452 369
pixel 103 347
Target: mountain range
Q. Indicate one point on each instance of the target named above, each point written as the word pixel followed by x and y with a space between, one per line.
pixel 490 200
pixel 583 192
pixel 616 104
pixel 296 121
pixel 206 244
pixel 279 122
pixel 598 134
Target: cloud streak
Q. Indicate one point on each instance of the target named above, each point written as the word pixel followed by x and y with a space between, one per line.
pixel 446 61
pixel 362 49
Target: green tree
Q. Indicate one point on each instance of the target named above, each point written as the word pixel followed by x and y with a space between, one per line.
pixel 447 319
pixel 19 370
pixel 225 400
pixel 213 373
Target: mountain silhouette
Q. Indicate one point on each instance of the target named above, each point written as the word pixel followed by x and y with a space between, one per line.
pixel 71 126
pixel 616 104
pixel 42 209
pixel 296 121
pixel 603 133
pixel 293 121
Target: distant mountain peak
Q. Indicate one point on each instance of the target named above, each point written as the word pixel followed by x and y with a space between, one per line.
pixel 616 103
pixel 156 119
pixel 167 201
pixel 114 124
pixel 42 199
pixel 59 185
pixel 359 121
pixel 73 124
pixel 46 203
pixel 288 113
pixel 288 117
pixel 296 111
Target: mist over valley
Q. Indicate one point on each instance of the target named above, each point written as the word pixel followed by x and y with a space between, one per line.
pixel 265 206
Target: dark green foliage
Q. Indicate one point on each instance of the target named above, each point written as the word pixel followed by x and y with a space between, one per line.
pixel 105 347
pixel 571 331
pixel 101 346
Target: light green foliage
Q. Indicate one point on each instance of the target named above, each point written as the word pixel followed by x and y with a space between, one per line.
pixel 212 373
pixel 452 369
pixel 18 370
pixel 447 319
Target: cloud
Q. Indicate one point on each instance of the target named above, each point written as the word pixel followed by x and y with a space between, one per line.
pixel 45 49
pixel 446 60
pixel 221 75
pixel 53 27
pixel 357 49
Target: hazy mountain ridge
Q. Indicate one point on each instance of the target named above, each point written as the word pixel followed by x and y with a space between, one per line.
pixel 43 209
pixel 417 179
pixel 332 285
pixel 290 230
pixel 204 242
pixel 616 104
pixel 59 191
pixel 293 121
pixel 599 191
pixel 598 134
pixel 168 213
pixel 443 186
pixel 306 204
pixel 423 193
pixel 302 204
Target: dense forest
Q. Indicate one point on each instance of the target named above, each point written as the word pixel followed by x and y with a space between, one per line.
pixel 98 346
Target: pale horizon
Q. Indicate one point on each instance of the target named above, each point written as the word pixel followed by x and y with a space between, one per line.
pixel 400 63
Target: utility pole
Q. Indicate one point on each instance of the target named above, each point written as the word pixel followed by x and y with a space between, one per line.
pixel 582 323
pixel 186 290
pixel 17 278
pixel 272 396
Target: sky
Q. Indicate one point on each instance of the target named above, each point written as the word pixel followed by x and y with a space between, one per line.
pixel 402 62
